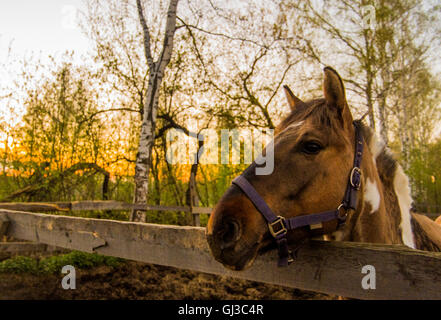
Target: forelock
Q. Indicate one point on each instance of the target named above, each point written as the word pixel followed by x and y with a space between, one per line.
pixel 315 113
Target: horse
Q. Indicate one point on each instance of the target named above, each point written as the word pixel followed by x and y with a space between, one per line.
pixel 313 150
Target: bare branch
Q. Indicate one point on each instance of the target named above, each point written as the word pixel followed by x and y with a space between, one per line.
pixel 170 29
pixel 217 34
pixel 107 110
pixel 146 34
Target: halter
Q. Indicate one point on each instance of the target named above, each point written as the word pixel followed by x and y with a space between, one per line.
pixel 279 226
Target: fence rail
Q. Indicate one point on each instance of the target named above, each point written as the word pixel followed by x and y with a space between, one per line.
pixel 110 205
pixel 96 205
pixel 327 267
pixel 28 247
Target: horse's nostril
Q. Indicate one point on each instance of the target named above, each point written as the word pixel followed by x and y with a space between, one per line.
pixel 229 234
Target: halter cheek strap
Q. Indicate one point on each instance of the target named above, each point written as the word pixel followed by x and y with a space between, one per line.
pixel 279 226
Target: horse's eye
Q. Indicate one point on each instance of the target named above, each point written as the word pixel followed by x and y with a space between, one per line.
pixel 311 147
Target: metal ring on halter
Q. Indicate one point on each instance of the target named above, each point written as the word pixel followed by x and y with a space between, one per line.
pixel 282 228
pixel 355 184
pixel 339 210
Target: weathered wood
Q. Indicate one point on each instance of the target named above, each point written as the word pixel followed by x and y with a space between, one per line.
pixel 201 210
pixel 36 206
pixel 4 224
pixel 328 267
pixel 99 205
pixel 20 247
pixel 95 205
pixel 196 220
pixel 168 208
pixel 111 205
pixel 194 199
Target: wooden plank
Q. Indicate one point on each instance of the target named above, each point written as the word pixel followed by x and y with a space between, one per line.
pixel 168 208
pixel 196 220
pixel 194 198
pixel 119 205
pixel 100 205
pixel 328 267
pixel 4 224
pixel 36 206
pixel 16 247
pixel 93 205
pixel 19 247
pixel 201 210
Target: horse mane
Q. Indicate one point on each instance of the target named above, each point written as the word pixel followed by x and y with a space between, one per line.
pixel 383 158
pixel 315 109
pixel 393 178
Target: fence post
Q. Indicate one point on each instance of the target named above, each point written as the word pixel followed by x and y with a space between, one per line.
pixel 194 200
pixel 4 224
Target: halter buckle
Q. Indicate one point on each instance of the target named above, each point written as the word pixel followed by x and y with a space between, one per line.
pixel 280 223
pixel 342 213
pixel 355 178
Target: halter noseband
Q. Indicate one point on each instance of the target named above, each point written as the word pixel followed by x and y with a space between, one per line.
pixel 279 226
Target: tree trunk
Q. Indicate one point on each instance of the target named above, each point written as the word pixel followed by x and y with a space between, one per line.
pixel 383 120
pixel 150 107
pixel 145 145
pixel 369 101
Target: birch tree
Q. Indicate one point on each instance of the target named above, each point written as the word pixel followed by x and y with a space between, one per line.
pixel 364 38
pixel 150 103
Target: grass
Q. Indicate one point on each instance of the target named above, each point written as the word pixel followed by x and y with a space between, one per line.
pixel 54 264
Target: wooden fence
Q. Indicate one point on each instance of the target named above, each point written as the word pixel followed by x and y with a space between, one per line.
pixel 27 247
pixel 100 205
pixel 327 267
pixel 113 205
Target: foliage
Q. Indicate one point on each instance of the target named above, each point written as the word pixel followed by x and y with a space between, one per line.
pixel 54 264
pixel 226 71
pixel 425 175
pixel 19 264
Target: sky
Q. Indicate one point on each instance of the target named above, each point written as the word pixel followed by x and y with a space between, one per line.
pixel 38 28
pixel 46 26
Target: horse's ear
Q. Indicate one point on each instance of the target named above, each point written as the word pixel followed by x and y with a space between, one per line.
pixel 334 91
pixel 293 101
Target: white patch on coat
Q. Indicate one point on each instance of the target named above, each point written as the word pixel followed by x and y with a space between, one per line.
pixel 402 191
pixel 372 195
pixel 376 145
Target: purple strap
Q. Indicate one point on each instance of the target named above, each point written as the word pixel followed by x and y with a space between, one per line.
pixel 285 255
pixel 306 220
pixel 270 217
pixel 354 183
pixel 255 198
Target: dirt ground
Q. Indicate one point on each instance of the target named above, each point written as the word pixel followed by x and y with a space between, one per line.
pixel 133 280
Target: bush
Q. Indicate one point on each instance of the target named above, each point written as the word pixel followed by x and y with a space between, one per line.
pixel 19 265
pixel 54 264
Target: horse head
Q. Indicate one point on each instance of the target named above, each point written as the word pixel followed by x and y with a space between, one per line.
pixel 313 152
